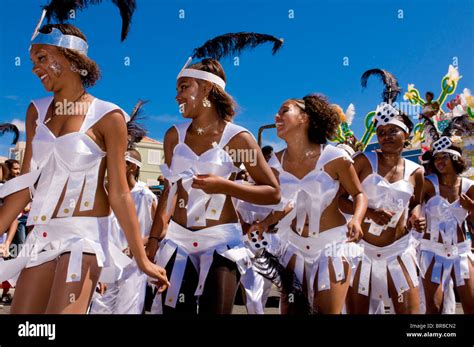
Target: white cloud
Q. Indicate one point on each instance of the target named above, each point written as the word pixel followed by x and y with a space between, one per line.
pixel 20 124
pixel 12 97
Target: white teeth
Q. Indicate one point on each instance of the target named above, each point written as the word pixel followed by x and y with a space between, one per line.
pixel 279 124
pixel 43 77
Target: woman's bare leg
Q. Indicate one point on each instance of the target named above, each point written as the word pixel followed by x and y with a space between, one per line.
pixel 33 289
pixel 466 291
pixel 409 301
pixel 433 293
pixel 73 297
pixel 357 303
pixel 331 301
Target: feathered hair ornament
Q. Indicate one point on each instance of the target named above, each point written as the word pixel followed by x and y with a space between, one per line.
pixel 391 90
pixel 60 10
pixel 10 128
pixel 136 132
pixel 223 45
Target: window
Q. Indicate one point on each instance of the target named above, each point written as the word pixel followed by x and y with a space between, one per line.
pixel 154 157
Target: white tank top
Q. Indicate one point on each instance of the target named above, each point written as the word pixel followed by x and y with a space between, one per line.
pixel 444 217
pixel 186 164
pixel 70 160
pixel 394 197
pixel 310 195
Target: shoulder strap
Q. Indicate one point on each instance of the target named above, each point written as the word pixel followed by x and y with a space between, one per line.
pixel 182 128
pixel 410 168
pixel 230 131
pixel 466 184
pixel 274 163
pixel 373 160
pixel 434 180
pixel 329 154
pixel 97 110
pixel 42 106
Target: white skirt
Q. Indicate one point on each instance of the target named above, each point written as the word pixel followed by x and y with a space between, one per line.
pixel 313 253
pixel 199 246
pixel 77 235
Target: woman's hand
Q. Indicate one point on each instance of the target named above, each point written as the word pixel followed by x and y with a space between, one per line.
pixel 466 202
pixel 151 248
pixel 5 250
pixel 210 184
pixel 380 216
pixel 157 272
pixel 417 222
pixel 354 231
pixel 102 288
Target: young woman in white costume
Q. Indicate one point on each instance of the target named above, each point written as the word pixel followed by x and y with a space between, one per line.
pixel 201 246
pixel 393 185
pixel 446 253
pixel 72 139
pixel 316 239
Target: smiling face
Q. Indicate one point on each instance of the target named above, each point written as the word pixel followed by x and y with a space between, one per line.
pixel 189 96
pixel 391 138
pixel 51 67
pixel 290 120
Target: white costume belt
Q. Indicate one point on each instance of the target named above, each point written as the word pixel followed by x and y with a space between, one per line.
pixel 377 262
pixel 199 246
pixel 76 235
pixel 446 257
pixel 313 253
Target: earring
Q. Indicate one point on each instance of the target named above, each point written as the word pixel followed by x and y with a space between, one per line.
pixel 407 143
pixel 455 158
pixel 206 102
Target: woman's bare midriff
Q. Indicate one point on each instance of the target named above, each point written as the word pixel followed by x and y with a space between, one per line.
pixel 330 218
pixel 228 214
pixel 387 237
pixel 101 206
pixel 461 236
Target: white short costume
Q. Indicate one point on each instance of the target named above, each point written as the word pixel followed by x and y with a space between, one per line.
pixel 199 246
pixel 72 161
pixel 127 295
pixel 310 196
pixel 444 219
pixel 377 262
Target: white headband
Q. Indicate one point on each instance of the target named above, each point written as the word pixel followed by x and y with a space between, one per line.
pixel 386 113
pixel 132 160
pixel 442 146
pixel 58 39
pixel 199 74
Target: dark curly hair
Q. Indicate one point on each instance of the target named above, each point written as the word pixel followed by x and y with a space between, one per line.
pixel 86 67
pixel 224 103
pixel 459 165
pixel 324 118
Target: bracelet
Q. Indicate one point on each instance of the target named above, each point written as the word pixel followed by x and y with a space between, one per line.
pixel 154 237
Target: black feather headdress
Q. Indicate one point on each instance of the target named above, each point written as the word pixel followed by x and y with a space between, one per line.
pixel 10 128
pixel 136 132
pixel 234 43
pixel 60 10
pixel 391 90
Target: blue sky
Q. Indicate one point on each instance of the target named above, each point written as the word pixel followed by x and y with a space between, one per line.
pixel 417 49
